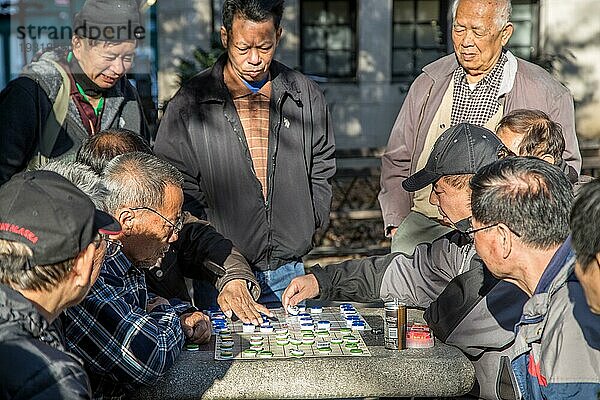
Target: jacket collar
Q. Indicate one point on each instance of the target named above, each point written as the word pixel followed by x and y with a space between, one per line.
pixel 445 67
pixel 214 89
pixel 554 277
pixel 19 312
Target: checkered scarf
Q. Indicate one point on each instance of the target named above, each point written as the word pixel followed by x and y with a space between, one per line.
pixel 479 105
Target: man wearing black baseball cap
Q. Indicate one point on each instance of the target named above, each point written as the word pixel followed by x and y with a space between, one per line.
pixel 67 95
pixel 417 278
pixel 51 248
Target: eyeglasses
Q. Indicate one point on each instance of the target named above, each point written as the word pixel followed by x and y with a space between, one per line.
pixel 472 231
pixel 112 246
pixel 177 226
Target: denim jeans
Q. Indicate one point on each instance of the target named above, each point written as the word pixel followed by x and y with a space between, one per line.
pixel 272 285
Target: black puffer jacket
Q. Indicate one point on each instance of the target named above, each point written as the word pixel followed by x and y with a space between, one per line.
pixel 201 134
pixel 33 364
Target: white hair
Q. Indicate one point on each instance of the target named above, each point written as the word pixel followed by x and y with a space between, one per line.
pixel 503 12
pixel 83 177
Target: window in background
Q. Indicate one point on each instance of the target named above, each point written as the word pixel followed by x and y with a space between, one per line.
pixel 419 36
pixel 328 38
pixel 525 18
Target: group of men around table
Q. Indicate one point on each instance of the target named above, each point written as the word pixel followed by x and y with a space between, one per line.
pixel 94 247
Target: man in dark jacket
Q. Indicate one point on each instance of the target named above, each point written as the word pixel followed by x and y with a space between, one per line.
pixel 66 96
pixel 254 142
pixel 44 270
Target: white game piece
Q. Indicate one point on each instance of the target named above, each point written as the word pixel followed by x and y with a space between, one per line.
pixel 293 310
pixel 358 326
pixel 297 352
pixel 323 325
pixel 301 308
pixel 307 326
pixel 248 328
pixel 281 331
pixel 316 310
pixel 266 329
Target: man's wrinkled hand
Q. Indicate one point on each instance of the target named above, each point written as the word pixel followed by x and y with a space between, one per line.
pixel 236 298
pixel 196 327
pixel 300 288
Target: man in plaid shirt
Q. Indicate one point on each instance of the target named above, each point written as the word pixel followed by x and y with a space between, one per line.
pixel 125 335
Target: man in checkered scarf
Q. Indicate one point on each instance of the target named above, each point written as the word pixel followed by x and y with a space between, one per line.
pixel 479 83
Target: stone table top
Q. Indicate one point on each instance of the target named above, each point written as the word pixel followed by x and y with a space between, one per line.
pixel 438 371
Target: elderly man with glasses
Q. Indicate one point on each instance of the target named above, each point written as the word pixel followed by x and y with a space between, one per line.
pixel 125 335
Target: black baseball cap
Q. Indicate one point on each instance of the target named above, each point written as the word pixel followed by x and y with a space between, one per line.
pixel 461 149
pixel 46 212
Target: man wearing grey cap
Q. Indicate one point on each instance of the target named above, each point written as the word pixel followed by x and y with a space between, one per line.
pixel 52 242
pixel 416 279
pixel 67 95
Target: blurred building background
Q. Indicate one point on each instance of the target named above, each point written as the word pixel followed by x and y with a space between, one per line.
pixel 363 53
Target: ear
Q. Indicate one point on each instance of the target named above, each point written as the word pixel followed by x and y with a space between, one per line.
pixel 504 238
pixel 224 36
pixel 83 266
pixel 548 158
pixel 598 259
pixel 507 33
pixel 76 45
pixel 278 34
pixel 126 218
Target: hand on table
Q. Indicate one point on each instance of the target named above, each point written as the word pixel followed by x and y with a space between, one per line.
pixel 300 288
pixel 236 298
pixel 196 327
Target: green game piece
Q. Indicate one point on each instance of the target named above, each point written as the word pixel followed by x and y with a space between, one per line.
pixel 281 337
pixel 308 335
pixel 308 341
pixel 306 331
pixel 349 337
pixel 297 353
pixel 345 330
pixel 325 350
pixel 250 352
pixel 224 332
pixel 265 354
pixel 226 354
pixel 295 342
pixel 283 342
pixel 351 345
pixel 322 333
pixel 192 347
pixel 356 350
pixel 354 340
pixel 227 338
pixel 281 331
pixel 227 345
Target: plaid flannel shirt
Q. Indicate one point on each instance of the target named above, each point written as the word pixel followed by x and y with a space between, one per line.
pixel 122 345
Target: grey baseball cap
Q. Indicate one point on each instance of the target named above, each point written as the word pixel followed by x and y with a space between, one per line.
pixel 461 149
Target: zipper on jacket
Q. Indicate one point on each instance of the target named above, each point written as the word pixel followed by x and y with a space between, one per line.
pixel 270 179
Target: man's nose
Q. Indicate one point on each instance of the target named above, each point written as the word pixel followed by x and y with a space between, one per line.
pixel 253 57
pixel 118 66
pixel 468 39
